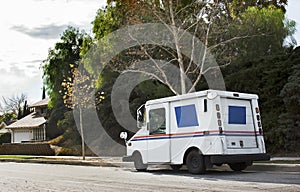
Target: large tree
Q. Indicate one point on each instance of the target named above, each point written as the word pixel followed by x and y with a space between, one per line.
pixel 230 30
pixel 227 29
pixel 57 70
pixel 237 33
pixel 13 108
pixel 289 120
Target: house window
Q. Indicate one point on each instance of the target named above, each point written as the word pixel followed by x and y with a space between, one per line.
pixel 38 134
pixel 43 111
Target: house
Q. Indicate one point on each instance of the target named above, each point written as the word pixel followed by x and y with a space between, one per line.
pixel 3 128
pixel 32 127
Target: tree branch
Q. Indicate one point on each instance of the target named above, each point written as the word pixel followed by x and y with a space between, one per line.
pixel 203 59
pixel 235 38
pixel 179 54
pixel 156 65
pixel 193 48
pixel 153 76
pixel 221 66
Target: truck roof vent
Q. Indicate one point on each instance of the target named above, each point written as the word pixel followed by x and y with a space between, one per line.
pixel 236 95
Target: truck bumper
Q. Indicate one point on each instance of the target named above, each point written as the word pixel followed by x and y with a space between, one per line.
pixel 220 159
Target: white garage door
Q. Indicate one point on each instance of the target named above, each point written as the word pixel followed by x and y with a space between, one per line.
pixel 21 135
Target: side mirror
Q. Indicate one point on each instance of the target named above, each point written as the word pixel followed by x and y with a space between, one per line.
pixel 140 116
pixel 123 135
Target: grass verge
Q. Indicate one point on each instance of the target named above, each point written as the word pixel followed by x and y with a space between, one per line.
pixel 16 157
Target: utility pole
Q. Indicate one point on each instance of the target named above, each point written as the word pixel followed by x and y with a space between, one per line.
pixel 82 136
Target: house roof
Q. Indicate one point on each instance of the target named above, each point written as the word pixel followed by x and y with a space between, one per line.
pixel 2 125
pixel 41 103
pixel 30 121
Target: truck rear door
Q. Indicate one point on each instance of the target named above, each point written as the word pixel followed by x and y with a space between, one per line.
pixel 238 123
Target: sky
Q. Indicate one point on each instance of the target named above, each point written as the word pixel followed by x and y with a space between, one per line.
pixel 28 28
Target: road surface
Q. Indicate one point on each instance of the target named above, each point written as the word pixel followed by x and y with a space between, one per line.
pixel 46 177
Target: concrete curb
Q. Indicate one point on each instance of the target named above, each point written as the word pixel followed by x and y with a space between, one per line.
pixel 274 167
pixel 115 162
pixel 62 162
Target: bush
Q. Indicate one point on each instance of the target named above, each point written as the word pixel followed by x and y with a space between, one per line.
pixel 5 138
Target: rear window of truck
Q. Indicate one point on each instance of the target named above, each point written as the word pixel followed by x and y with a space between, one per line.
pixel 236 115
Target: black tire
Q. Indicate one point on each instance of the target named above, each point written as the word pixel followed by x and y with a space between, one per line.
pixel 238 166
pixel 176 167
pixel 138 162
pixel 195 162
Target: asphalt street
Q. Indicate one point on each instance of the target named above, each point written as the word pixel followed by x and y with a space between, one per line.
pixel 54 177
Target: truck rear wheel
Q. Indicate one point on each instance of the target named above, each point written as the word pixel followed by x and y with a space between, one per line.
pixel 238 166
pixel 195 162
pixel 138 162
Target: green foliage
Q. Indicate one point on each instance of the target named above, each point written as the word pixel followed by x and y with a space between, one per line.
pixel 105 22
pixel 275 80
pixel 70 136
pixel 255 31
pixel 247 34
pixel 289 121
pixel 145 91
pixel 291 90
pixel 5 138
pixel 8 117
pixel 263 32
pixel 57 65
pixel 57 68
pixel 25 111
pixel 236 7
pixel 44 93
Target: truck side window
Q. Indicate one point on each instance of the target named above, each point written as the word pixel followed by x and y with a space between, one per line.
pixel 157 121
pixel 205 105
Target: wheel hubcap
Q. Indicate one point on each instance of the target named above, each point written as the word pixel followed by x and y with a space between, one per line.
pixel 195 162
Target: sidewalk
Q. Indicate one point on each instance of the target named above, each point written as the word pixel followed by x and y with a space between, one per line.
pixel 117 162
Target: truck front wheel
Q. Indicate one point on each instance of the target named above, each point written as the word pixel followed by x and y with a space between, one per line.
pixel 238 166
pixel 138 162
pixel 195 162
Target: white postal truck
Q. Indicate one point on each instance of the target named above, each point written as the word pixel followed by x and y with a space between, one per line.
pixel 198 130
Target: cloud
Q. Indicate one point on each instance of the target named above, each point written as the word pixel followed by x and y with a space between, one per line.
pixel 30 66
pixel 34 61
pixel 51 31
pixel 17 82
pixel 15 71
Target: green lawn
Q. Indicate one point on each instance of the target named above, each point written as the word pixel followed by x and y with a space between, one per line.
pixel 16 157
